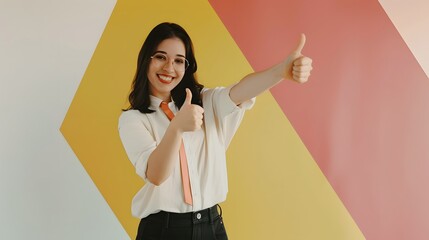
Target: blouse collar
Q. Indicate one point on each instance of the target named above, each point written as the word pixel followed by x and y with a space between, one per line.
pixel 156 102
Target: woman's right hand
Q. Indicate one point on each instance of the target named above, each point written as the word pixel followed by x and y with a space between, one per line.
pixel 190 116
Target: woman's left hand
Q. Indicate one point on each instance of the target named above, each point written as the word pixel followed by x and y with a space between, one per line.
pixel 298 66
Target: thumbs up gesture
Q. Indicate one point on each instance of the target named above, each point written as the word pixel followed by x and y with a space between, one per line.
pixel 190 116
pixel 298 66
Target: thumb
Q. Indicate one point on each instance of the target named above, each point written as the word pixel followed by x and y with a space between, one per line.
pixel 188 98
pixel 301 44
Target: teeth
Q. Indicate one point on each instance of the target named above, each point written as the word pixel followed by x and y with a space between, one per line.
pixel 165 78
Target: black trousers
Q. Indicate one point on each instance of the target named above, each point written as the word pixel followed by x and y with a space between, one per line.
pixel 206 224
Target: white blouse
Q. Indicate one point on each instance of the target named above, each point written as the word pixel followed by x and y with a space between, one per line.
pixel 205 150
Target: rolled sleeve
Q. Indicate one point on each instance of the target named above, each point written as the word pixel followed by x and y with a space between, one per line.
pixel 224 104
pixel 137 141
pixel 222 115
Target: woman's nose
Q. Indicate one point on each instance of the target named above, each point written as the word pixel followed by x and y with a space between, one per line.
pixel 168 66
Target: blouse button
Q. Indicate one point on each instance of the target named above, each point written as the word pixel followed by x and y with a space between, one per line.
pixel 198 216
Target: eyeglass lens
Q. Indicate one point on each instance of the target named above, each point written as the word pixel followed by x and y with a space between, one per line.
pixel 179 63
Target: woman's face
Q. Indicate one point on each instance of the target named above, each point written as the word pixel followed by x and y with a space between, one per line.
pixel 166 68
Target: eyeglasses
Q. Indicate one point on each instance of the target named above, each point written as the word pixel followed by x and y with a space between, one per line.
pixel 180 64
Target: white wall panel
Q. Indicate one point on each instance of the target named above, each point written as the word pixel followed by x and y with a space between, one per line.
pixel 45 193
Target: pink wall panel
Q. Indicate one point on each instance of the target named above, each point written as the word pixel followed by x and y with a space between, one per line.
pixel 364 114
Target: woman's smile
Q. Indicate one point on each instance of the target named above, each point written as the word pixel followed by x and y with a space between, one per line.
pixel 166 79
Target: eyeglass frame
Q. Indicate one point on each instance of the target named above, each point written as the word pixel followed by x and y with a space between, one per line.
pixel 168 58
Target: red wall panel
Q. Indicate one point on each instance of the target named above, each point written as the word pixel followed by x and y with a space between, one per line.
pixel 364 113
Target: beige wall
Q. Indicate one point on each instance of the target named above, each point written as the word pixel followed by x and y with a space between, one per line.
pixel 411 18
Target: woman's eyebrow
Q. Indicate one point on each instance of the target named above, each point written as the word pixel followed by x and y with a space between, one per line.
pixel 160 52
pixel 179 55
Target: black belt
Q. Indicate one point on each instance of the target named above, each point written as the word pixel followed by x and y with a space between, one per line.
pixel 184 219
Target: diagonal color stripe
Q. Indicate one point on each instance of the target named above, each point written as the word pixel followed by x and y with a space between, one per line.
pixel 364 113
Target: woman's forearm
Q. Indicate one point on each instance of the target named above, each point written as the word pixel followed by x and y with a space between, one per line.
pixel 256 83
pixel 295 67
pixel 161 161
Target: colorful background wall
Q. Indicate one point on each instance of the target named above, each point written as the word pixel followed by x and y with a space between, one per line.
pixel 344 156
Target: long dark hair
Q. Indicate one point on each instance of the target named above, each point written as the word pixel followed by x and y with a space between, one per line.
pixel 139 96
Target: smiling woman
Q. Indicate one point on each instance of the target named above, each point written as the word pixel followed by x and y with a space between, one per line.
pixel 165 73
pixel 158 42
pixel 176 134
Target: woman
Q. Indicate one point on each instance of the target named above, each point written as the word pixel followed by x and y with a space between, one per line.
pixel 176 133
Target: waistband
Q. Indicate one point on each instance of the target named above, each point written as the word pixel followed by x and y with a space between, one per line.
pixel 170 219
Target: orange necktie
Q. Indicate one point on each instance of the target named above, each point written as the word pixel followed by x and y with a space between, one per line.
pixel 183 161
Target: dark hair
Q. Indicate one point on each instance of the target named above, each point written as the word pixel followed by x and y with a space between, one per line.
pixel 139 96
